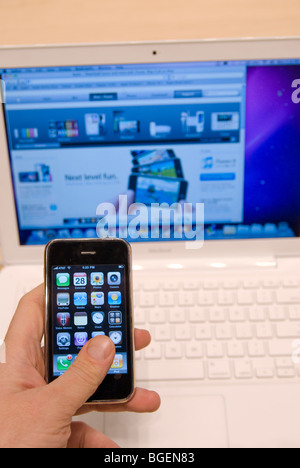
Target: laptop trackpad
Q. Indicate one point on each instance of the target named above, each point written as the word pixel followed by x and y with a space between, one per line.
pixel 182 421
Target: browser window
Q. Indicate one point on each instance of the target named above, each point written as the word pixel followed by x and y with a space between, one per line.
pixel 175 132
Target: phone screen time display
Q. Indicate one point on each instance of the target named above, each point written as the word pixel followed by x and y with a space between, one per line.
pixel 88 301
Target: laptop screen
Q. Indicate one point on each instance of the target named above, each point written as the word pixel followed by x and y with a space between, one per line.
pixel 224 134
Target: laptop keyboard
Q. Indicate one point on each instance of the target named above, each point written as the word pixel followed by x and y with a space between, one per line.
pixel 219 330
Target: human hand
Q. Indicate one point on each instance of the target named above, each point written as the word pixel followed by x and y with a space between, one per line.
pixel 34 414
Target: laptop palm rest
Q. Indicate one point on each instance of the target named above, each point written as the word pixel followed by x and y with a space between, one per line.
pixel 184 421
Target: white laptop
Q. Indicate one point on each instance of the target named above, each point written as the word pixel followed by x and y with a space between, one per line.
pixel 211 122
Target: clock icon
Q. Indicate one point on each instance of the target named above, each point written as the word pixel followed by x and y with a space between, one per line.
pixel 116 337
pixel 98 317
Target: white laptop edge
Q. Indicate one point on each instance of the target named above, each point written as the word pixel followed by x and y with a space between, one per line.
pixel 146 52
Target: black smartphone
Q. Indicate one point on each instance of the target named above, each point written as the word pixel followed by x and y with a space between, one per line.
pixel 169 168
pixel 157 189
pixel 141 157
pixel 89 293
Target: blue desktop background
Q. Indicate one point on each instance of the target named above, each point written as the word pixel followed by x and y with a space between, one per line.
pixel 272 157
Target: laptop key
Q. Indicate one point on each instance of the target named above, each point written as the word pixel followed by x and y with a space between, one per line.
pixel 173 369
pixel 279 348
pixel 153 351
pixel 256 348
pixel 193 349
pixel 257 314
pixel 264 330
pixel 285 373
pixel 237 314
pixel 183 332
pixel 166 299
pixel 190 285
pixel 244 297
pixel 219 370
pixel 177 315
pixel 170 286
pixel 226 298
pixel 291 283
pixel 235 349
pixel 284 363
pixel 214 349
pixel 264 296
pixel 264 373
pixel 162 333
pixel 243 369
pixel 173 350
pixel 196 315
pixel 203 331
pixel 277 313
pixel 288 330
pixel 186 298
pixel 288 296
pixel 223 331
pixel 205 298
pixel 294 312
pixel 157 315
pixel 147 299
pixel 243 331
pixel 217 314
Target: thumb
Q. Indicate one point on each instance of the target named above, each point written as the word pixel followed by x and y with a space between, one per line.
pixel 72 389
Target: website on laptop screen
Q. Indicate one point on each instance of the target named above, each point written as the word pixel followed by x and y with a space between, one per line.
pixel 224 134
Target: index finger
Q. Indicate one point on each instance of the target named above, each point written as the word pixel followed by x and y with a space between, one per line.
pixel 26 329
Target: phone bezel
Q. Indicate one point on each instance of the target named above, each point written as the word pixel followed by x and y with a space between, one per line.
pixel 115 387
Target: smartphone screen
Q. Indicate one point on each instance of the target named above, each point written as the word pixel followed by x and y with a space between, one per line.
pixel 171 168
pixel 151 156
pixel 87 299
pixel 159 190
